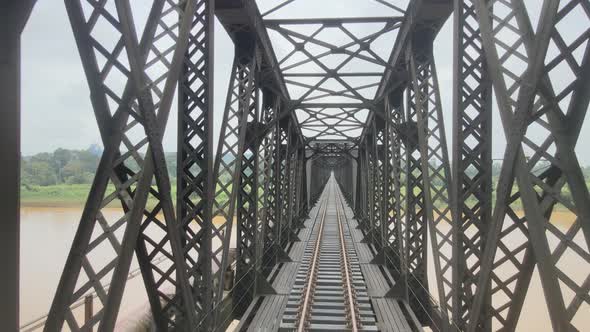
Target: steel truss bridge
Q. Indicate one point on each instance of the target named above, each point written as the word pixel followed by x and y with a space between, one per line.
pixel 349 208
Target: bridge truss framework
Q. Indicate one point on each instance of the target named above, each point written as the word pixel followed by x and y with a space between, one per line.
pixel 410 193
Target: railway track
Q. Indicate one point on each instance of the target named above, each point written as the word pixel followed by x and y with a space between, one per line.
pixel 329 292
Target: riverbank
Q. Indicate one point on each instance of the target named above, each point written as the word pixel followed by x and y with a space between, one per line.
pixel 61 195
pixel 75 195
pixel 65 196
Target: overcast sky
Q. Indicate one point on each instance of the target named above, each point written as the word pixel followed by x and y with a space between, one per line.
pixel 56 110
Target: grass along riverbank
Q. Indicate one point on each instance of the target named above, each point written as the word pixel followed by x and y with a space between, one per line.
pixel 75 195
pixel 65 195
pixel 60 195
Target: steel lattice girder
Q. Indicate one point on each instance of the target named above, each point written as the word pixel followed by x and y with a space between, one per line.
pixel 240 105
pixel 267 218
pixel 247 209
pixel 424 100
pixel 195 158
pixel 472 164
pixel 518 112
pixel 134 108
pixel 253 236
pixel 403 189
pixel 396 187
pixel 283 184
pixel 317 87
pixel 416 213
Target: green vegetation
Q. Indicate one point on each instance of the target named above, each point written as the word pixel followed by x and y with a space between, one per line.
pixel 55 195
pixel 59 178
pixel 65 195
pixel 60 167
pixel 64 177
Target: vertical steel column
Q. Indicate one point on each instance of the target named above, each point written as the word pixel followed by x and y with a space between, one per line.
pixel 361 211
pixel 435 169
pixel 369 188
pixel 10 170
pixel 303 207
pixel 283 182
pixel 298 186
pixel 366 195
pixel 543 103
pixel 195 191
pixel 313 175
pixel 472 164
pixel 277 182
pixel 83 273
pixel 338 174
pixel 396 187
pixel 153 114
pixel 358 196
pixel 268 199
pixel 350 180
pixel 381 169
pixel 321 174
pixel 374 181
pixel 344 178
pixel 416 209
pixel 290 158
pixel 247 209
pixel 375 160
pixel 13 17
pixel 372 186
pixel 369 208
pixel 228 162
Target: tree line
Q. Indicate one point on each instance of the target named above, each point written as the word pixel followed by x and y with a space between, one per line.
pixel 64 166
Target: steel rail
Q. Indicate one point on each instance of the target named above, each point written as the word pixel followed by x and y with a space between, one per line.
pixel 310 284
pixel 346 278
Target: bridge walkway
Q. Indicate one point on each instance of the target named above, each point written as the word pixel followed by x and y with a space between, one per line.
pixel 326 288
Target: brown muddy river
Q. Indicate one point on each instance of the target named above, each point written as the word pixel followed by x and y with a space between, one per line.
pixel 47 233
pixel 46 237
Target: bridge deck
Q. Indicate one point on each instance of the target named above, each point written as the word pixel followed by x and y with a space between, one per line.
pixel 370 281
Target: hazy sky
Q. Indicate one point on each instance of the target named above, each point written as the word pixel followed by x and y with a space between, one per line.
pixel 56 110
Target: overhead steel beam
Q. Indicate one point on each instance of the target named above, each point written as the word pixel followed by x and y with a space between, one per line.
pixel 16 14
pixel 336 21
pixel 243 22
pixel 334 105
pixel 422 21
